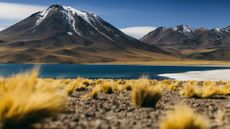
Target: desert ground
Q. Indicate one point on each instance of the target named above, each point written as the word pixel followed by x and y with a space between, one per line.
pixel 28 101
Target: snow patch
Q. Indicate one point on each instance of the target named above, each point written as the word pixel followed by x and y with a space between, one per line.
pixel 74 11
pixel 226 29
pixel 70 33
pixel 69 17
pixel 42 15
pixel 183 29
pixel 175 28
pixel 84 15
pixel 217 30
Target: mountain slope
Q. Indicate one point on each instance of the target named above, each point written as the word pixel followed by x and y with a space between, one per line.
pixel 63 34
pixel 183 41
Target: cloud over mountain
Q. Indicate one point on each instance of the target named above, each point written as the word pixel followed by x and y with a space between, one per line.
pixel 15 11
pixel 137 32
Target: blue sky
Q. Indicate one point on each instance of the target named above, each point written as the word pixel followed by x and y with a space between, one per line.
pixel 128 13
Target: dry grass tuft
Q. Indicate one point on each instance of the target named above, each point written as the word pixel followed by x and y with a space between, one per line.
pixel 171 85
pixel 77 84
pixel 25 100
pixel 189 91
pixel 104 86
pixel 200 91
pixel 220 116
pixel 143 95
pixel 93 94
pixel 183 117
pixel 107 87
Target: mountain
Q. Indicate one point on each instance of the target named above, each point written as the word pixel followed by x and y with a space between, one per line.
pixel 138 31
pixel 63 34
pixel 186 42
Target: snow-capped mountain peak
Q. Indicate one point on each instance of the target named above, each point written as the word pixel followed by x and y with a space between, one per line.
pixel 68 10
pixel 74 11
pixel 70 14
pixel 183 29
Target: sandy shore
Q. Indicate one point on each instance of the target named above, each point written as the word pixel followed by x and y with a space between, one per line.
pixel 214 75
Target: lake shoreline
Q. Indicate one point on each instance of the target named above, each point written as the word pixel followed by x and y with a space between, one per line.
pixel 105 71
pixel 149 63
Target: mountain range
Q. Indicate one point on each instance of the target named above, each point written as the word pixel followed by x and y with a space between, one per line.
pixel 185 42
pixel 62 34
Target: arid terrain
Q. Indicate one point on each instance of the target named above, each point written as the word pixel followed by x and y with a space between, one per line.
pixel 117 111
pixel 31 102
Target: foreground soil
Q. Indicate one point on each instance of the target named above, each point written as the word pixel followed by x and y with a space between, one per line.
pixel 116 111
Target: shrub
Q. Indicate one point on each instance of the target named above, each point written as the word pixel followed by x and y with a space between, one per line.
pixel 143 95
pixel 93 94
pixel 107 87
pixel 171 85
pixel 189 91
pixel 200 91
pixel 183 117
pixel 104 86
pixel 77 84
pixel 24 100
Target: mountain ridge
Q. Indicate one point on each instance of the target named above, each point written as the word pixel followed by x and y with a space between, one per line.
pixel 185 42
pixel 62 34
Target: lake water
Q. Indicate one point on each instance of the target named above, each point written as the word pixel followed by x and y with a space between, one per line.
pixel 100 71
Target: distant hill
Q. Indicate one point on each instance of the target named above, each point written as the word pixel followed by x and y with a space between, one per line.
pixel 63 34
pixel 185 42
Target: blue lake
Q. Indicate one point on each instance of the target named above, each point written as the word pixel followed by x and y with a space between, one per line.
pixel 99 71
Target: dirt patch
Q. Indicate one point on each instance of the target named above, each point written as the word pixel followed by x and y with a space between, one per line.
pixel 116 111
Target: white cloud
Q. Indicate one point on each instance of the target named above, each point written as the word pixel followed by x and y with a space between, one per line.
pixel 14 11
pixel 1 28
pixel 137 32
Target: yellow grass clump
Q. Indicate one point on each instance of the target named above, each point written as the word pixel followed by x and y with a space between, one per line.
pixel 189 91
pixel 107 86
pixel 205 89
pixel 25 100
pixel 122 85
pixel 145 95
pixel 104 86
pixel 77 84
pixel 183 117
pixel 171 85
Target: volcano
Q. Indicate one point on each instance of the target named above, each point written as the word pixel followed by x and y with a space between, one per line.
pixel 62 34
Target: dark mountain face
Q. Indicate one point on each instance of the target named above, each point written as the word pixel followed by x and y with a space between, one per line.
pixel 179 36
pixel 183 41
pixel 185 37
pixel 64 34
